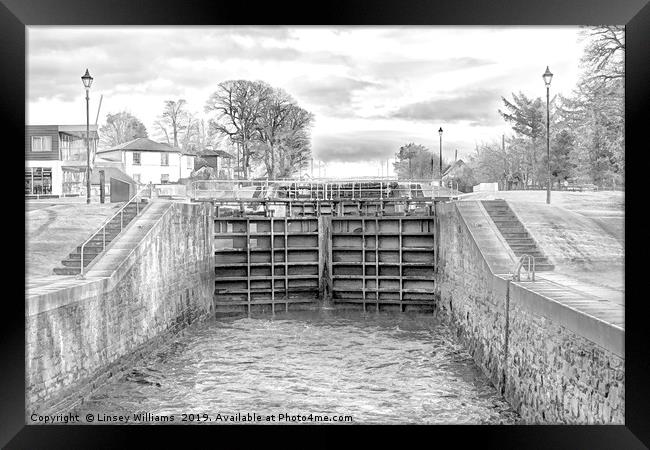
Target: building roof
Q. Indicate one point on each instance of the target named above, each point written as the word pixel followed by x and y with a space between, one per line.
pixel 142 145
pixel 219 153
pixel 73 130
pixel 76 128
pixel 110 172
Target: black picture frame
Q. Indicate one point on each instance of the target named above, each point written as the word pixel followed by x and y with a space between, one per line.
pixel 635 14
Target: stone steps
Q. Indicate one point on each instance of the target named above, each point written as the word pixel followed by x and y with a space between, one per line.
pixel 76 262
pixel 88 252
pixel 512 230
pixel 515 234
pixel 93 244
pixel 535 254
pixel 507 223
pixel 66 271
pixel 94 247
pixel 542 267
pixel 523 247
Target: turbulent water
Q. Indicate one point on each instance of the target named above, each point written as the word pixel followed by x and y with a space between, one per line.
pixel 308 367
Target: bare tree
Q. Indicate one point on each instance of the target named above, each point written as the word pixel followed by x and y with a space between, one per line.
pixel 173 120
pixel 237 105
pixel 272 126
pixel 121 127
pixel 595 112
pixel 605 53
pixel 294 149
pixel 413 161
pixel 265 123
pixel 192 129
pixel 163 129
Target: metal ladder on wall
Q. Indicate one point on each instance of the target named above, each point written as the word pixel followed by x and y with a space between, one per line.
pixel 516 271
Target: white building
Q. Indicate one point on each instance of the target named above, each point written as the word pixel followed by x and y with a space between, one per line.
pixel 147 161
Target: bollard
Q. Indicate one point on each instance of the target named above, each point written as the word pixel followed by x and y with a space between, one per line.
pixel 102 180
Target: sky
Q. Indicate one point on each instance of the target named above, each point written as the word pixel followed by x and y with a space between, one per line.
pixel 371 89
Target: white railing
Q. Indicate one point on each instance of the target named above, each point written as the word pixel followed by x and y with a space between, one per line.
pixel 516 276
pixel 348 189
pixel 102 229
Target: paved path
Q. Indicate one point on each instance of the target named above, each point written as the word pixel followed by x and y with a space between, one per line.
pixel 51 217
pixel 603 303
pixel 54 229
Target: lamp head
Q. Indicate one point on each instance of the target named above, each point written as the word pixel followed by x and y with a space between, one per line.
pixel 548 76
pixel 440 131
pixel 87 80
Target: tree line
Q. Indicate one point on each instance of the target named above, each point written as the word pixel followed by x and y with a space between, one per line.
pixel 587 144
pixel 261 126
pixel 587 141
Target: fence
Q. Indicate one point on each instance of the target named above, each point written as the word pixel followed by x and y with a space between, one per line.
pixel 116 226
pixel 352 189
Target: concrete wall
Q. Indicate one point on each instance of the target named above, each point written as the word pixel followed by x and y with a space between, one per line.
pixel 486 187
pixel 74 334
pixel 552 363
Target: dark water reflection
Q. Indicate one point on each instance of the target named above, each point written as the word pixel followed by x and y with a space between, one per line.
pixel 377 368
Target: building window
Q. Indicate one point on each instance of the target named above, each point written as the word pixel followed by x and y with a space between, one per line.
pixel 41 143
pixel 136 177
pixel 164 159
pixel 74 149
pixel 38 180
pixel 136 158
pixel 73 182
pixel 164 178
pixel 64 145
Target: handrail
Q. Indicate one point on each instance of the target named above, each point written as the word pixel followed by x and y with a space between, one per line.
pixel 516 276
pixel 119 212
pixel 312 189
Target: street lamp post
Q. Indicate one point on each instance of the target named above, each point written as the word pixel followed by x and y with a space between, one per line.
pixel 87 81
pixel 548 76
pixel 440 164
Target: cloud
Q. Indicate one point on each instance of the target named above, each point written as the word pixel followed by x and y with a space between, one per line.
pixel 120 58
pixel 478 107
pixel 406 68
pixel 374 145
pixel 332 94
pixel 363 145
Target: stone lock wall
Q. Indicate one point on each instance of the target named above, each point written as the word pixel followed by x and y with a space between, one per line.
pixel 546 370
pixel 557 376
pixel 165 284
pixel 469 295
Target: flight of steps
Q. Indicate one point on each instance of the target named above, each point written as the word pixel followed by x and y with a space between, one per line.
pixel 72 264
pixel 515 233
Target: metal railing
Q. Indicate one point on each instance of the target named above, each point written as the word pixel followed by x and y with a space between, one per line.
pixel 347 189
pixel 516 275
pixel 102 229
